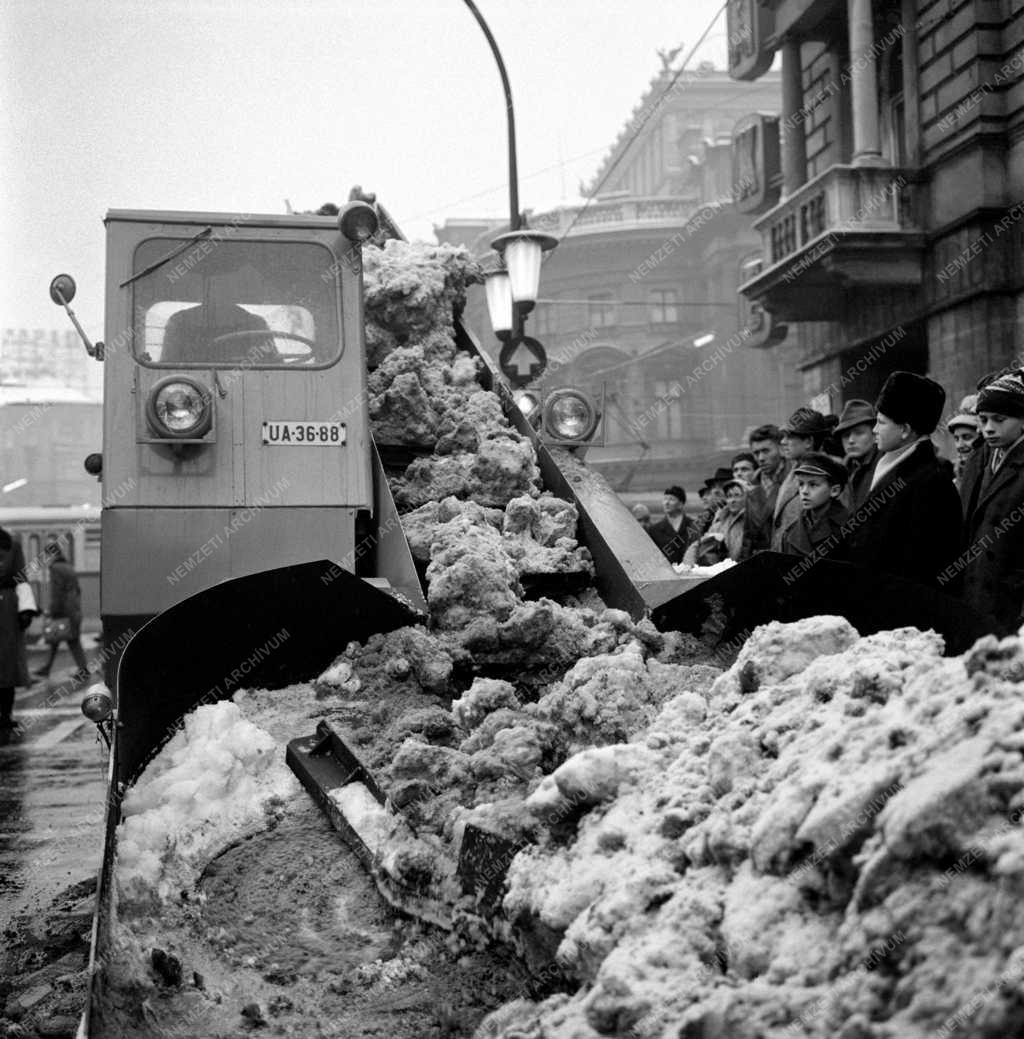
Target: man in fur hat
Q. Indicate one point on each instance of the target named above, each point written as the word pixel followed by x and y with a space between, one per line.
pixel 909 524
pixel 992 492
pixel 856 432
pixel 673 532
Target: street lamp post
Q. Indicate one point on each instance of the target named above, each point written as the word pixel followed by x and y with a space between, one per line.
pixel 512 288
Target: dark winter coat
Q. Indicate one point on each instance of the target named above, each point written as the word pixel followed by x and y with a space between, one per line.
pixel 760 511
pixel 65 595
pixel 787 510
pixel 672 543
pixel 861 471
pixel 993 542
pixel 910 522
pixel 818 533
pixel 13 663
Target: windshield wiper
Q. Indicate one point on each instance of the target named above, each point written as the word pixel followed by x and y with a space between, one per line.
pixel 157 264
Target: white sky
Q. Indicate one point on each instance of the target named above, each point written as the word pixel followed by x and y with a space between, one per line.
pixel 235 106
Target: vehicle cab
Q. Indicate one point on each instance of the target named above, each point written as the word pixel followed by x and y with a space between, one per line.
pixel 236 434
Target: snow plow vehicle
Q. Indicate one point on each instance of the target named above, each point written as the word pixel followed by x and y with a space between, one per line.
pixel 250 531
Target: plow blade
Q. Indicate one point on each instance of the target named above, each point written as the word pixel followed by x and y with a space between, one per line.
pixel 329 769
pixel 268 630
pixel 724 609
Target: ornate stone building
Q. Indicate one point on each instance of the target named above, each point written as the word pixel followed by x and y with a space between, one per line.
pixel 639 301
pixel 895 237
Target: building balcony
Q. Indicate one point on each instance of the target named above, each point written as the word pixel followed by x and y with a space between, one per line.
pixel 617 215
pixel 850 227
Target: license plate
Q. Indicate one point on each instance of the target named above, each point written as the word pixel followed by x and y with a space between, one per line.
pixel 304 434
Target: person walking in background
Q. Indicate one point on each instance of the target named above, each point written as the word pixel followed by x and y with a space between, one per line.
pixel 807 430
pixel 909 524
pixel 673 532
pixel 765 445
pixel 992 493
pixel 818 530
pixel 13 622
pixel 65 601
pixel 856 432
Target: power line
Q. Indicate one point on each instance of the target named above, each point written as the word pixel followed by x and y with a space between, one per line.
pixel 646 119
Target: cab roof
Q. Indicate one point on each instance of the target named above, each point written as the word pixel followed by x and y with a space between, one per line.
pixel 171 216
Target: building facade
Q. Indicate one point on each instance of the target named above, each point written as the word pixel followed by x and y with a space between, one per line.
pixel 894 237
pixel 638 301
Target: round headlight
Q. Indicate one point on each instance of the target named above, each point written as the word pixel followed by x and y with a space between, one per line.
pixel 358 222
pixel 528 402
pixel 570 415
pixel 98 704
pixel 179 408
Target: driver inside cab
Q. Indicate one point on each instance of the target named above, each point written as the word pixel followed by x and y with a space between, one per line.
pixel 219 330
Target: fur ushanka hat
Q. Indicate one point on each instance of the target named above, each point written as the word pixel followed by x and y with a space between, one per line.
pixel 912 399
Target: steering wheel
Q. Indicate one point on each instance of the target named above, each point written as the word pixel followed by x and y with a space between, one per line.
pixel 254 333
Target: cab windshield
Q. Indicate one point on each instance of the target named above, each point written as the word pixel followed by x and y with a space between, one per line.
pixel 235 304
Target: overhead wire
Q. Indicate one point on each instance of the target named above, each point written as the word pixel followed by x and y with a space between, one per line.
pixel 644 121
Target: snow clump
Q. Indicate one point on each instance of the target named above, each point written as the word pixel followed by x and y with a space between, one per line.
pixel 218 778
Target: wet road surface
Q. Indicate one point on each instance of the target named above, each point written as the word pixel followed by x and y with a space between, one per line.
pixel 52 790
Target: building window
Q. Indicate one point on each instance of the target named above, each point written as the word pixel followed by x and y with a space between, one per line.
pixel 663 307
pixel 543 318
pixel 600 310
pixel 667 409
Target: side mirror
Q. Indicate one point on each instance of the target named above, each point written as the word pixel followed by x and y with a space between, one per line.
pixel 62 292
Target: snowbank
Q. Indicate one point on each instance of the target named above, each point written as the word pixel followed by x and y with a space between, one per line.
pixel 217 779
pixel 830 846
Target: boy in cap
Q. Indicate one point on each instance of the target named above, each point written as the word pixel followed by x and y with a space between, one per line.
pixel 818 531
pixel 909 524
pixel 807 430
pixel 992 491
pixel 856 433
pixel 673 532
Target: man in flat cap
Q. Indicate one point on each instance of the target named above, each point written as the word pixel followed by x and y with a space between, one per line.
pixel 909 524
pixel 673 532
pixel 806 430
pixel 856 432
pixel 992 492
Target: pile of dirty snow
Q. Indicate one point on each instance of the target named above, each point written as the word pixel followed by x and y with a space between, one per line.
pixel 218 778
pixel 424 392
pixel 825 842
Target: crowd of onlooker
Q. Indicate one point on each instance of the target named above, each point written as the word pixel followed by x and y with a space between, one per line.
pixel 869 487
